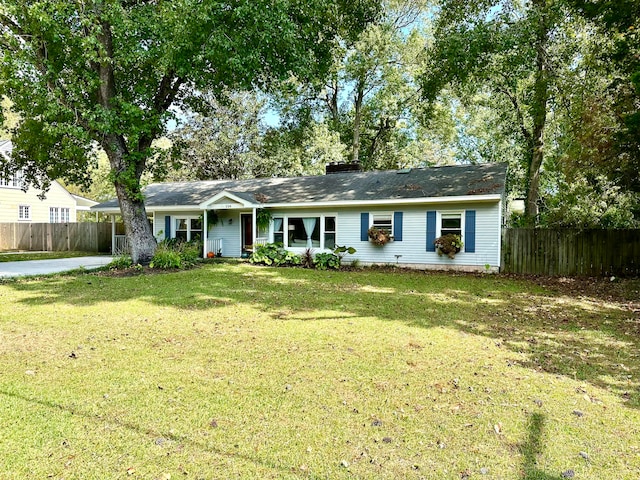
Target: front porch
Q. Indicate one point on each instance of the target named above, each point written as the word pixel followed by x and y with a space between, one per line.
pixel 229 232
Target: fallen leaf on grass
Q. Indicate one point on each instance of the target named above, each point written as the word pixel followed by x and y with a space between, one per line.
pixel 498 428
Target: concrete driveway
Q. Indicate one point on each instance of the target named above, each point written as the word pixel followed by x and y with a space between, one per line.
pixel 44 267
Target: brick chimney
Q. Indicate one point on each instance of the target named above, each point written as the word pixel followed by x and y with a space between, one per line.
pixel 341 167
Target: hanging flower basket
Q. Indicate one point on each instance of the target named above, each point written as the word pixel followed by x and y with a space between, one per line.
pixel 379 236
pixel 448 245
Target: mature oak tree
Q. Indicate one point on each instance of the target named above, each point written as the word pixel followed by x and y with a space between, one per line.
pixel 108 72
pixel 513 50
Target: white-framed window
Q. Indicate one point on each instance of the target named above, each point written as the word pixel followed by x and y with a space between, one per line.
pixel 59 215
pixel 278 230
pixel 188 228
pixel 451 223
pixel 24 212
pixel 330 233
pixel 383 221
pixel 15 181
pixel 306 231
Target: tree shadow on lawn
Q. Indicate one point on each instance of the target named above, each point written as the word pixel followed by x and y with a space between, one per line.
pixel 532 448
pixel 143 431
pixel 590 339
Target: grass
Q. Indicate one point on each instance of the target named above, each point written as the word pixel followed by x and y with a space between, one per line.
pixel 24 256
pixel 236 371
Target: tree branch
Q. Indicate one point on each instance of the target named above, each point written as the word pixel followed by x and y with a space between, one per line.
pixel 516 106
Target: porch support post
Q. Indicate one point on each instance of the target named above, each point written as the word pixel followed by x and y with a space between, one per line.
pixel 205 233
pixel 113 234
pixel 253 229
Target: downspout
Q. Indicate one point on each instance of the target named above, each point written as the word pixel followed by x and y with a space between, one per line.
pixel 253 229
pixel 113 234
pixel 205 233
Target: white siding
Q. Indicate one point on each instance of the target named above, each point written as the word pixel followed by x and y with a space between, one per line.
pixel 413 247
pixel 229 233
pixel 412 250
pixel 12 198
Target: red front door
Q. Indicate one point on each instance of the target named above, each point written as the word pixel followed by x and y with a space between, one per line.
pixel 247 231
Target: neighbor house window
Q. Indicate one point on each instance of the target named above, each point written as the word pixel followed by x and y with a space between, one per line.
pixel 383 221
pixel 14 181
pixel 188 229
pixel 58 215
pixel 330 232
pixel 24 212
pixel 451 223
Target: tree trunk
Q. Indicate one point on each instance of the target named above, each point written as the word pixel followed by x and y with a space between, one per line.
pixel 134 215
pixel 539 114
pixel 357 120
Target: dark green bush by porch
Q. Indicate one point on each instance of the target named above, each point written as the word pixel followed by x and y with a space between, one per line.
pixel 172 254
pixel 274 254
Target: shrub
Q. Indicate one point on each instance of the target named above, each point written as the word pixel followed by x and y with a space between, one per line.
pixel 166 257
pixel 120 263
pixel 274 254
pixel 189 253
pixel 306 259
pixel 176 254
pixel 323 261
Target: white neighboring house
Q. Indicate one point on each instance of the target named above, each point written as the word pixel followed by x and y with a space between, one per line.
pixel 19 206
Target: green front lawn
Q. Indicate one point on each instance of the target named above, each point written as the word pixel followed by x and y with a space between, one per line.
pixel 236 371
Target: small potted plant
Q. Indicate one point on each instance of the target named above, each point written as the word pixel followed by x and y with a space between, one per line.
pixel 219 254
pixel 448 245
pixel 379 236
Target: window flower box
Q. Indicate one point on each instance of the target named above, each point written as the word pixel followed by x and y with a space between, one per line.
pixel 379 236
pixel 448 245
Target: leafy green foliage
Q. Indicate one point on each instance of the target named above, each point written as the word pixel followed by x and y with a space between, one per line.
pixel 222 139
pixel 593 203
pixel 121 262
pixel 369 109
pixel 82 74
pixel 324 261
pixel 176 254
pixel 274 254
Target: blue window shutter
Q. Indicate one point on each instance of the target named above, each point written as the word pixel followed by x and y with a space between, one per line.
pixel 364 227
pixel 431 230
pixel 397 226
pixel 167 227
pixel 470 231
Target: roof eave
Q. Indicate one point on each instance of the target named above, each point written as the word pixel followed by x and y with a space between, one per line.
pixel 338 203
pixel 395 201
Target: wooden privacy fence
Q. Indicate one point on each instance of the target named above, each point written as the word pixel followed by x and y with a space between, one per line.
pixel 571 252
pixel 83 237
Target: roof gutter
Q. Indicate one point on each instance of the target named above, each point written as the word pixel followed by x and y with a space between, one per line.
pixel 337 203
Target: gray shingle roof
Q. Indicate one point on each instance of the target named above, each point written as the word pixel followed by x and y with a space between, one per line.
pixel 449 181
